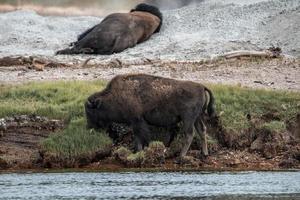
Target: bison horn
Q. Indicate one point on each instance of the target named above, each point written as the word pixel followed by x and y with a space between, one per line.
pixel 98 103
pixel 89 104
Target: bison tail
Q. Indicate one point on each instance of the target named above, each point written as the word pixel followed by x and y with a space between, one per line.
pixel 211 104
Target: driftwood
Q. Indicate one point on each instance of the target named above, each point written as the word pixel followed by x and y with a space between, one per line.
pixel 273 52
pixel 31 62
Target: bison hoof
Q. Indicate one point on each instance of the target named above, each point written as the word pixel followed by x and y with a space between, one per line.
pixel 178 161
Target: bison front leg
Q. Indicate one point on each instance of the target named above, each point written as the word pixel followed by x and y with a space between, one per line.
pixel 188 129
pixel 201 130
pixel 141 134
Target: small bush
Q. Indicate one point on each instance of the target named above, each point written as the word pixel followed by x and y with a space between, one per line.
pixel 155 154
pixel 135 159
pixel 121 154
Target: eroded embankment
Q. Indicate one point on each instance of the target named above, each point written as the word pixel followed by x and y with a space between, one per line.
pixel 259 149
pixel 255 129
pixel 20 138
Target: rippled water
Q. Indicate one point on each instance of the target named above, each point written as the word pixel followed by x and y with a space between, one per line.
pixel 245 185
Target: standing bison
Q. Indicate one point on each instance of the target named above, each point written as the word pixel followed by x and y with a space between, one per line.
pixel 118 32
pixel 141 100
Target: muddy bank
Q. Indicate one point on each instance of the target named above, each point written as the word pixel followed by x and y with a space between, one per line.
pixel 259 149
pixel 20 137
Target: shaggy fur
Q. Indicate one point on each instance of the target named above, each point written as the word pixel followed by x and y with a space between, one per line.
pixel 118 32
pixel 151 9
pixel 141 100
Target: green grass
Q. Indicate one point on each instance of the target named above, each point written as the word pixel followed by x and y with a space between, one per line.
pixel 234 103
pixel 64 100
pixel 76 141
pixel 59 100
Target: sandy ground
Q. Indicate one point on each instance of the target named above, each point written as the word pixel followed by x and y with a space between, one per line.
pixel 191 33
pixel 270 74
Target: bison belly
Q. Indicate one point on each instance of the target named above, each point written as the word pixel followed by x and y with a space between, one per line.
pixel 162 118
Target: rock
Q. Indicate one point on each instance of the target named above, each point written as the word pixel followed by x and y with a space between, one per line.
pixel 3 164
pixel 189 161
pixel 266 166
pixel 269 150
pixel 3 126
pixel 103 153
pixel 257 145
pixel 289 163
pixel 83 161
pixel 234 162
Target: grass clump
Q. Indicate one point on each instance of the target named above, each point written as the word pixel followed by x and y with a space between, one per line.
pixel 155 153
pixel 274 126
pixel 136 159
pixel 76 141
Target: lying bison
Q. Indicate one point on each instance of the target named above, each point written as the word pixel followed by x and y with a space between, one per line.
pixel 141 100
pixel 118 32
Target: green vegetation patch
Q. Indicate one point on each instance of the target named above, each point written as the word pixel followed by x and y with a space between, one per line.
pixel 76 142
pixel 58 100
pixel 235 105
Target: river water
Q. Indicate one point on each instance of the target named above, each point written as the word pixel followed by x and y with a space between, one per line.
pixel 192 185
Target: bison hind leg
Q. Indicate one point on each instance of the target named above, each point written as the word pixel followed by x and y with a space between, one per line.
pixel 201 130
pixel 188 128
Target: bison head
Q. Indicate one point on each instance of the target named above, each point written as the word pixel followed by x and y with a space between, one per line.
pixel 152 10
pixel 95 114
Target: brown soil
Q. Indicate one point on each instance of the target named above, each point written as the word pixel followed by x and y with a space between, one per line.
pixel 21 135
pixel 19 140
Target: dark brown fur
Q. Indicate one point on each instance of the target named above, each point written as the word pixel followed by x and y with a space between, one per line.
pixel 141 100
pixel 118 32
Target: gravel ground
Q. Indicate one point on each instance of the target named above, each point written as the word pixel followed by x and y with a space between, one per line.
pixel 190 33
pixel 280 74
pixel 205 30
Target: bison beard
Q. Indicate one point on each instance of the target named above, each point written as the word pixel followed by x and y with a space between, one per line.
pixel 141 100
pixel 118 32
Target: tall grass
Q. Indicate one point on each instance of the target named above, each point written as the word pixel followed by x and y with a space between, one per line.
pixel 76 141
pixel 235 103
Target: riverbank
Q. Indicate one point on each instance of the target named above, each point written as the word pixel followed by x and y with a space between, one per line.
pixel 43 126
